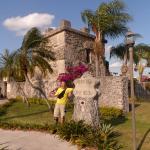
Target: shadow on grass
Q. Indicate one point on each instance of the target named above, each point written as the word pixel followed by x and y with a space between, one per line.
pixel 24 115
pixel 130 106
pixel 143 139
pixel 117 121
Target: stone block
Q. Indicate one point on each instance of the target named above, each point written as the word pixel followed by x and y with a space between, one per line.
pixel 65 23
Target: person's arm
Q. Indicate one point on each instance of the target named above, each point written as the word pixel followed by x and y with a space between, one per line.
pixel 54 93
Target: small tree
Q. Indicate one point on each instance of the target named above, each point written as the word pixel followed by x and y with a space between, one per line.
pixel 22 63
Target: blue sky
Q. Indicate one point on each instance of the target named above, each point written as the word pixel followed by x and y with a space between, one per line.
pixel 55 10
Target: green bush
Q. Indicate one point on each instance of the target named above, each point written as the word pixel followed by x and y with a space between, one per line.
pixel 83 135
pixel 3 108
pixel 110 113
pixel 13 125
pixel 72 130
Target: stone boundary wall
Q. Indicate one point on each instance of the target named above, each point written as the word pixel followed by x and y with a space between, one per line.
pixel 114 92
pixel 22 89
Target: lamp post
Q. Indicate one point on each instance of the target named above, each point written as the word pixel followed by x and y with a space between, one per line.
pixel 130 43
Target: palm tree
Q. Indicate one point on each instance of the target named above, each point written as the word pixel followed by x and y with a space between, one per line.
pixel 144 52
pixel 109 20
pixel 23 63
pixel 121 51
pixel 140 51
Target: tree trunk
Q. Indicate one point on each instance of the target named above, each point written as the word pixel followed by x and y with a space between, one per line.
pixel 101 54
pixel 39 89
pixel 24 96
pixel 124 68
pixel 97 65
pixel 125 58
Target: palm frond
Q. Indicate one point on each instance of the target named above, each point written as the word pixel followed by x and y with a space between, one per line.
pixel 32 38
pixel 42 64
pixel 47 54
pixel 109 18
pixel 140 50
pixel 89 17
pixel 118 51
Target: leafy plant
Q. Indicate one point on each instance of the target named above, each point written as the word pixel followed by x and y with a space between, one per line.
pixel 103 137
pixel 110 113
pixel 72 130
pixel 4 107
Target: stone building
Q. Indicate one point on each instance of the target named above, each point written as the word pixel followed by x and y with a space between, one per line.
pixel 72 46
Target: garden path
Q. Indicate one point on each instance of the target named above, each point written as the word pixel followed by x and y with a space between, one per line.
pixel 32 140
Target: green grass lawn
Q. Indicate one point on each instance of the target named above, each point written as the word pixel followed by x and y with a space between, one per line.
pixel 36 114
pixel 39 114
pixel 142 125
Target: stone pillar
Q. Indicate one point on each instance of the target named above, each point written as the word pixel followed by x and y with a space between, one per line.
pixel 65 23
pixel 86 100
pixel 85 30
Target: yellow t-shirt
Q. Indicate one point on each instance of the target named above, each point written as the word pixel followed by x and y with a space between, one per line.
pixel 64 99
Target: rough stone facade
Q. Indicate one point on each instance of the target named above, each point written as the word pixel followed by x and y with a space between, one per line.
pixel 69 45
pixel 114 92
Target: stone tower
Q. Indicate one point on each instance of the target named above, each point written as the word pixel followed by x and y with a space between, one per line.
pixel 71 46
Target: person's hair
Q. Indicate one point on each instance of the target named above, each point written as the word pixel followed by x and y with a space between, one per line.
pixel 69 84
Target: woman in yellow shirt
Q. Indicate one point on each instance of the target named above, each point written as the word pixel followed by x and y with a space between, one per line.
pixel 62 94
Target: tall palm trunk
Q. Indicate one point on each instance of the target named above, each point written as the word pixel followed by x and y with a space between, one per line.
pixel 125 59
pixel 38 89
pixel 124 68
pixel 25 99
pixel 97 65
pixel 101 53
pixel 99 49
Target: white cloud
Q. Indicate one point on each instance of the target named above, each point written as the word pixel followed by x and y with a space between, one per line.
pixel 116 64
pixel 21 24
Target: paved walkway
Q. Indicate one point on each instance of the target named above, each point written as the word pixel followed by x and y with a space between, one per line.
pixel 31 140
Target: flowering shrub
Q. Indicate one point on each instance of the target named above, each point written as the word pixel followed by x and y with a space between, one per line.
pixel 145 78
pixel 73 73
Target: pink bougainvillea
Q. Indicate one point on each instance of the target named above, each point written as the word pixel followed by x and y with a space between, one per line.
pixel 72 73
pixel 145 78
